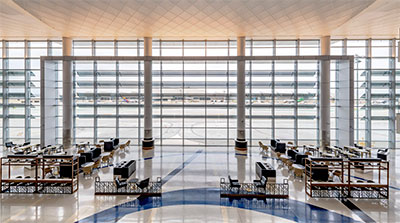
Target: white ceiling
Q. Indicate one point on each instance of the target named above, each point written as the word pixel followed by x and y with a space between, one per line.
pixel 199 18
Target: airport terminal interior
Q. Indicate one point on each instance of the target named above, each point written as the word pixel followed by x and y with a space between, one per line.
pixel 199 111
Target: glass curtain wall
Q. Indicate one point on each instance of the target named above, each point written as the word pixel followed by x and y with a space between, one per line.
pixel 282 96
pixel 108 95
pixel 194 100
pixel 375 99
pixel 20 76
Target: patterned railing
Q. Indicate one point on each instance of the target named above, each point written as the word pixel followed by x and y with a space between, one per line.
pixel 278 190
pixel 42 188
pixel 109 187
pixel 355 192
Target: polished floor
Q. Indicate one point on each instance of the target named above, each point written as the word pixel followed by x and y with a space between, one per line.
pixel 190 177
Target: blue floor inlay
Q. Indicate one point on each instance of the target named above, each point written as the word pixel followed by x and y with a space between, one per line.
pixel 181 167
pixel 285 208
pixel 350 205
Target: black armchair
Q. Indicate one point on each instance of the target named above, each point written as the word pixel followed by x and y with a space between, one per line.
pixel 260 183
pixel 88 156
pixel 280 147
pixel 233 183
pixel 383 153
pixel 143 184
pixel 9 145
pixel 120 184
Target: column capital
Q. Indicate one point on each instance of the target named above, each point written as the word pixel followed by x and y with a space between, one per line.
pixel 67 46
pixel 241 46
pixel 325 44
pixel 148 46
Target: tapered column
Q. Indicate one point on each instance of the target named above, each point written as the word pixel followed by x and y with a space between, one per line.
pixel 325 86
pixel 148 141
pixel 67 94
pixel 240 142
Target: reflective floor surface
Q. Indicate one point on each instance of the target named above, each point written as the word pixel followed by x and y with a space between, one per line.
pixel 191 177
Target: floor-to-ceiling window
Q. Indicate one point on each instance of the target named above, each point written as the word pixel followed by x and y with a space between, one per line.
pixel 282 96
pixel 194 101
pixel 20 69
pixel 108 95
pixel 374 85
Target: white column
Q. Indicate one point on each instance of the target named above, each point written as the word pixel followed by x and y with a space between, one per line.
pixel 325 112
pixel 148 141
pixel 241 168
pixel 67 94
pixel 148 163
pixel 241 94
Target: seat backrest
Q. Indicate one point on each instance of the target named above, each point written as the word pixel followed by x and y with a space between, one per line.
pixel 9 144
pixel 230 179
pixel 117 182
pixel 263 180
pixel 281 147
pixel 144 183
pixel 108 145
pixel 273 142
pixel 89 156
pixel 82 160
pixel 292 153
pixel 96 152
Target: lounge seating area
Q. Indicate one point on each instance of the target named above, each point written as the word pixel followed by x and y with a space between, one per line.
pixel 50 170
pixel 290 155
pixel 260 189
pixel 338 178
pixel 134 186
pixel 101 155
pixel 34 149
pixel 334 172
pixel 47 174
